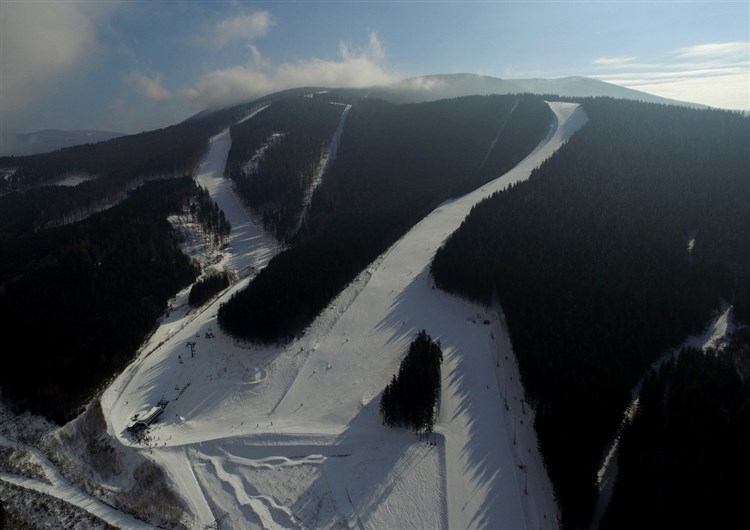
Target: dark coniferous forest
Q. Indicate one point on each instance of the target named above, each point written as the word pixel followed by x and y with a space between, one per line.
pixel 412 397
pixel 205 288
pixel 685 457
pixel 617 248
pixel 90 293
pixel 93 284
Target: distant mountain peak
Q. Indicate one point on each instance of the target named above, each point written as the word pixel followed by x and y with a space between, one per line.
pixel 438 86
pixel 21 144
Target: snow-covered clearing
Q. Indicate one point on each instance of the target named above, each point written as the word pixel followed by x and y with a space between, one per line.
pixel 290 436
pixel 74 180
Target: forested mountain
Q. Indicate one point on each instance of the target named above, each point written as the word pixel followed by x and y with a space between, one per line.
pixel 622 244
pixel 27 202
pixel 617 248
pixel 394 165
pixel 90 292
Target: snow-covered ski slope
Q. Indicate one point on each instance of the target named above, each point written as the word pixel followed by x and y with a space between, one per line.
pixel 287 437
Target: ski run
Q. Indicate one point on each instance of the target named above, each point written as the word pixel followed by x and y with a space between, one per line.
pixel 290 436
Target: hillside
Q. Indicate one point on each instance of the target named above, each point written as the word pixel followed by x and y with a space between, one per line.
pixel 395 164
pixel 595 236
pixel 616 249
pixel 292 432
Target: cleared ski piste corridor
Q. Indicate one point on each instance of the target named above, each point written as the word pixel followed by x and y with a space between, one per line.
pixel 290 436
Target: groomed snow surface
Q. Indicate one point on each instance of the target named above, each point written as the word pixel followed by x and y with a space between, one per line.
pixel 290 436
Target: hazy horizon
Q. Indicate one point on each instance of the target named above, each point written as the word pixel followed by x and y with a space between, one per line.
pixel 132 66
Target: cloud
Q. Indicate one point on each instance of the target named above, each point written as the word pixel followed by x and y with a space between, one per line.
pixel 720 49
pixel 714 74
pixel 41 41
pixel 257 58
pixel 353 68
pixel 423 83
pixel 150 87
pixel 733 93
pixel 244 27
pixel 614 61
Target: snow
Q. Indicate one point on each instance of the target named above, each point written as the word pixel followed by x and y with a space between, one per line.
pixel 251 247
pixel 290 435
pixel 252 165
pixel 715 335
pixel 253 113
pixel 74 180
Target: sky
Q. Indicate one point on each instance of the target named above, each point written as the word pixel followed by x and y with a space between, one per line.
pixel 129 66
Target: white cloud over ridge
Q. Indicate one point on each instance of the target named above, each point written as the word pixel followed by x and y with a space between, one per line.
pixel 354 68
pixel 150 87
pixel 688 74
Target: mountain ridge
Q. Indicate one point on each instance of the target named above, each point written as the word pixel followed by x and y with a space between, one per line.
pixel 439 86
pixel 45 140
pixel 394 157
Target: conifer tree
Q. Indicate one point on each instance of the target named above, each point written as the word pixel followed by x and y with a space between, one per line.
pixel 411 398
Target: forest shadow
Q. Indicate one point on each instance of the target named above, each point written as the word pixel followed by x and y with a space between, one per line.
pixel 470 371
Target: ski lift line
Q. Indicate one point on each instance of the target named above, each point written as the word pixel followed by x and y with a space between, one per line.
pixel 253 113
pixel 217 522
pixel 497 137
